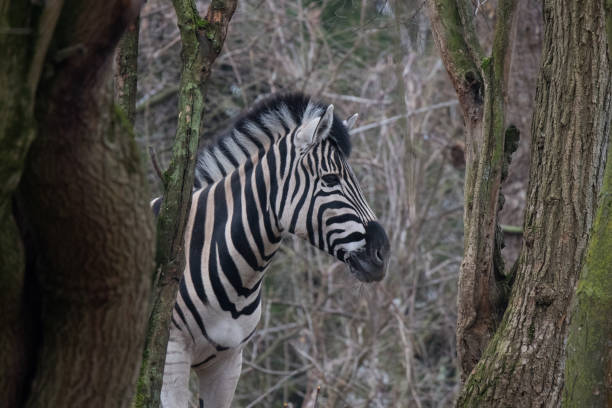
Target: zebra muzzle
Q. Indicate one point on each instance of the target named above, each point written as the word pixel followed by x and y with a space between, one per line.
pixel 370 264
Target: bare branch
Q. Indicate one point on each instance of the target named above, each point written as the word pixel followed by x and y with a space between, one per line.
pixel 126 70
pixel 155 163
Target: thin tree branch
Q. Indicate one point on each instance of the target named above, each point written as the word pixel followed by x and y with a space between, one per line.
pixel 153 156
pixel 202 40
pixel 451 40
pixel 126 71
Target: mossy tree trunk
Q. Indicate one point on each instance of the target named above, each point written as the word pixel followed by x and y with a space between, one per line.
pixel 79 287
pixel 523 364
pixel 480 82
pixel 588 370
pixel 202 40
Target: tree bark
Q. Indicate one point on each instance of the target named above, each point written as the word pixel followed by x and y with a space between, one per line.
pixel 588 370
pixel 126 71
pixel 82 205
pixel 480 83
pixel 523 364
pixel 202 40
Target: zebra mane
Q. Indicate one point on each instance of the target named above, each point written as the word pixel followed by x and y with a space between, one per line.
pixel 256 130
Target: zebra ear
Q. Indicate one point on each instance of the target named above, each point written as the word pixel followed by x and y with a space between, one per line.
pixel 325 124
pixel 350 122
pixel 316 129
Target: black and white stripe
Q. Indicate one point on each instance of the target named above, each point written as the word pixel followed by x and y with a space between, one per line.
pixel 282 168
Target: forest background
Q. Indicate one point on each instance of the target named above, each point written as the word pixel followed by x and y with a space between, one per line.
pixel 382 345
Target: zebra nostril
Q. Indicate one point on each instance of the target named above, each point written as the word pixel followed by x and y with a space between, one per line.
pixel 377 243
pixel 378 257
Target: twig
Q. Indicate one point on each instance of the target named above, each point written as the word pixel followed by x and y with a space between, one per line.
pixel 278 385
pixel 151 100
pixel 511 229
pixel 357 99
pixel 316 401
pixel 407 115
pixel 266 370
pixel 165 48
pixel 153 157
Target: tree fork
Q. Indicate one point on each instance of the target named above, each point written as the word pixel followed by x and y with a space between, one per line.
pixel 202 40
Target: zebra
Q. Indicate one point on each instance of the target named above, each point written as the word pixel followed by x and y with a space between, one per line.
pixel 282 168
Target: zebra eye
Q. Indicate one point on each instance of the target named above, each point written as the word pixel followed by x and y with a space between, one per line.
pixel 331 179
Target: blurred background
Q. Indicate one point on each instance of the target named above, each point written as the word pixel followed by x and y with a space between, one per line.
pixel 325 339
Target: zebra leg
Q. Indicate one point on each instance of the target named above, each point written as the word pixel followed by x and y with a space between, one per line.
pixel 218 382
pixel 175 386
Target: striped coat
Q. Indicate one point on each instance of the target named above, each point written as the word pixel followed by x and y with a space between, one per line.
pixel 281 169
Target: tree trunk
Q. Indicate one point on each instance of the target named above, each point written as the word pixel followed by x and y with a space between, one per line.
pixel 588 370
pixel 523 364
pixel 202 40
pixel 480 83
pixel 16 134
pixel 82 205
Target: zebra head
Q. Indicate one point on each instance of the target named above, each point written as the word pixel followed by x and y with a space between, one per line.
pixel 325 204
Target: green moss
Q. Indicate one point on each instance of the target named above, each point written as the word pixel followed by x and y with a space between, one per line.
pixel 122 125
pixel 486 62
pixel 122 120
pixel 455 36
pixel 475 388
pixel 201 23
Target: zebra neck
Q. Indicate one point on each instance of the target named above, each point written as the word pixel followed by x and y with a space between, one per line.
pixel 232 238
pixel 290 184
pixel 254 227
